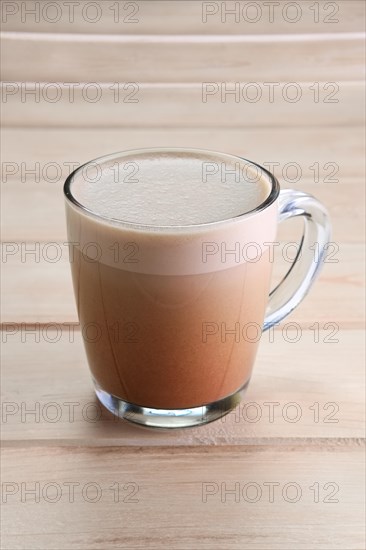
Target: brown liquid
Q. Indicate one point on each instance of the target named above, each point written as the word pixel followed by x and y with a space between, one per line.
pixel 164 341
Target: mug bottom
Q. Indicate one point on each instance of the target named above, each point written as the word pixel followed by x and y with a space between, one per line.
pixel 169 418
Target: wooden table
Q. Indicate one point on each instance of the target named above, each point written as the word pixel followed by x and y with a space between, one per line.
pixel 283 471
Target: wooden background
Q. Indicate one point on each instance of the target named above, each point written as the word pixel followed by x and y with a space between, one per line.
pixel 169 53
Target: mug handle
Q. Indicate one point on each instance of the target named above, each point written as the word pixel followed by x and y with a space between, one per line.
pixel 306 266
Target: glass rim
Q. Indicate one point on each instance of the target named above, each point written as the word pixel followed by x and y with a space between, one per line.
pixel 270 199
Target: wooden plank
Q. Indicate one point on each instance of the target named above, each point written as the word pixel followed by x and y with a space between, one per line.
pixel 234 104
pixel 37 57
pixel 64 148
pixel 165 498
pixel 36 288
pixel 186 17
pixel 35 211
pixel 45 371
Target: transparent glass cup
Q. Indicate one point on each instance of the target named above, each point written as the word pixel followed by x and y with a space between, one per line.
pixel 171 315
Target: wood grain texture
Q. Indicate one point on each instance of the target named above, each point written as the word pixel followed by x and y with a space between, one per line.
pixel 169 488
pixel 46 371
pixel 36 288
pixel 53 429
pixel 37 57
pixel 187 17
pixel 233 104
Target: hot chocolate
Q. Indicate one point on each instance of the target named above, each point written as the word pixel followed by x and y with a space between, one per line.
pixel 171 273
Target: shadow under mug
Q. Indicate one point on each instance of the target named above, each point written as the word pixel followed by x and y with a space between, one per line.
pixel 171 316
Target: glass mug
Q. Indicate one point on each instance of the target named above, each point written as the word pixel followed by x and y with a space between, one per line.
pixel 171 314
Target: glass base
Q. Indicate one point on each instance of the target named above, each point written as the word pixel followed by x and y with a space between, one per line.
pixel 170 418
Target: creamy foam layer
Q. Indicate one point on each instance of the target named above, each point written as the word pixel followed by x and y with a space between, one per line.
pixel 170 188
